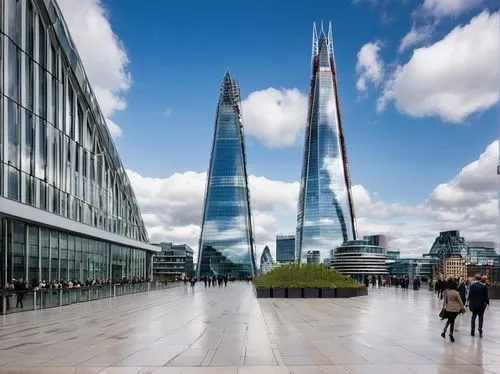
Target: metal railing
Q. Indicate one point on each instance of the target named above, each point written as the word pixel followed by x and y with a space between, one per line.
pixel 13 301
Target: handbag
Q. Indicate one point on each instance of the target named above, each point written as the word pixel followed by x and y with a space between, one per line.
pixel 442 313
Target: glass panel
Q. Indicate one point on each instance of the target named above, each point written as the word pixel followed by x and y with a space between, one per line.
pixel 14 186
pixel 54 256
pixel 18 251
pixel 45 254
pixel 42 93
pixel 13 71
pixel 29 28
pixel 33 269
pixel 13 133
pixel 29 148
pixel 41 161
pixel 13 18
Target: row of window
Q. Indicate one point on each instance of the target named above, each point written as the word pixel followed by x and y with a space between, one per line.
pixel 34 252
pixel 48 132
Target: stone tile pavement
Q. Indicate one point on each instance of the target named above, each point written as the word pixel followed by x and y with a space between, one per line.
pixel 227 330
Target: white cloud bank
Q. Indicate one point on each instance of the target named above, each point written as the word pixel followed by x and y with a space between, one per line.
pixel 172 207
pixel 370 67
pixel 416 35
pixel 275 116
pixel 448 8
pixel 452 78
pixel 104 61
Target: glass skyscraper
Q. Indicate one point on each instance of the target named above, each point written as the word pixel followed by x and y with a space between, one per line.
pixel 325 213
pixel 227 241
pixel 67 209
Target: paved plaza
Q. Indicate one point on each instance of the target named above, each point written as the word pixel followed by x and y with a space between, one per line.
pixel 229 331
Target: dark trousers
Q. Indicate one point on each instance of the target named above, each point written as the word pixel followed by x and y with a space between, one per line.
pixel 451 321
pixel 476 312
pixel 19 300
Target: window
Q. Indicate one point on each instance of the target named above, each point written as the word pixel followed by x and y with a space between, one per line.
pixel 13 134
pixel 28 159
pixel 13 18
pixel 40 170
pixel 29 28
pixel 29 83
pixel 13 71
pixel 42 45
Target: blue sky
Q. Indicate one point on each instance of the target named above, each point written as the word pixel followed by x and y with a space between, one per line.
pixel 178 55
pixel 178 51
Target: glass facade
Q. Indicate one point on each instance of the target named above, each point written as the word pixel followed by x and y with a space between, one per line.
pixel 57 159
pixel 226 241
pixel 447 244
pixel 266 261
pixel 173 261
pixel 325 214
pixel 285 248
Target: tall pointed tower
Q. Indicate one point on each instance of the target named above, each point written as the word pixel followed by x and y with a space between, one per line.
pixel 226 241
pixel 325 213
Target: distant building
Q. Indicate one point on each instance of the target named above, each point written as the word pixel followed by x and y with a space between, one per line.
pixel 378 240
pixel 412 267
pixel 454 266
pixel 393 255
pixel 313 257
pixel 482 253
pixel 227 243
pixel 173 261
pixel 325 211
pixel 285 248
pixel 358 258
pixel 266 261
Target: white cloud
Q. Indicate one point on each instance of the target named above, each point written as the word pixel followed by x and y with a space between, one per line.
pixel 448 8
pixel 370 67
pixel 105 61
pixel 168 111
pixel 415 36
pixel 275 116
pixel 452 78
pixel 172 208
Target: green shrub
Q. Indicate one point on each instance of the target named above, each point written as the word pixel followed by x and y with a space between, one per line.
pixel 304 276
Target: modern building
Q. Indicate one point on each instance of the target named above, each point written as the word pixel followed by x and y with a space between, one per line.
pixel 325 212
pixel 227 239
pixel 285 248
pixel 359 258
pixel 378 240
pixel 482 253
pixel 67 209
pixel 174 261
pixel 266 261
pixel 412 267
pixel 313 257
pixel 393 254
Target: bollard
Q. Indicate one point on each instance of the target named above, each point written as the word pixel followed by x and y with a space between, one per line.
pixel 4 304
pixel 34 300
pixel 60 297
pixel 149 286
pixel 114 290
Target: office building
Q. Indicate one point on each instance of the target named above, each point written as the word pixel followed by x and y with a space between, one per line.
pixel 227 239
pixel 266 261
pixel 359 258
pixel 412 267
pixel 67 209
pixel 454 266
pixel 173 262
pixel 285 248
pixel 377 240
pixel 325 212
pixel 313 257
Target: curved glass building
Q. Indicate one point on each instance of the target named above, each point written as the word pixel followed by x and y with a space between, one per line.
pixel 359 258
pixel 67 208
pixel 227 241
pixel 325 213
pixel 266 261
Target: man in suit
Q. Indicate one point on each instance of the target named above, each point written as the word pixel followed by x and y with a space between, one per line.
pixel 478 301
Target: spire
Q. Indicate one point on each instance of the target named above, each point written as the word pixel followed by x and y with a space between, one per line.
pixel 229 91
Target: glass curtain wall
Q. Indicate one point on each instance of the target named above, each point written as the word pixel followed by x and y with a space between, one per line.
pixel 34 253
pixel 55 150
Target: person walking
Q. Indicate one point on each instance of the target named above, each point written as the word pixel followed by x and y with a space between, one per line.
pixel 452 305
pixel 478 302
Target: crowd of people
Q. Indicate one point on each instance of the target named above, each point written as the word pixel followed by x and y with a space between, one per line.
pixel 19 287
pixel 457 295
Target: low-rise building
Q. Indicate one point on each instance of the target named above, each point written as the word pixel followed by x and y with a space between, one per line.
pixel 454 266
pixel 174 261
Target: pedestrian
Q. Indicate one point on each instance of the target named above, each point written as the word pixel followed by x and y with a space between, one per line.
pixel 452 306
pixel 478 302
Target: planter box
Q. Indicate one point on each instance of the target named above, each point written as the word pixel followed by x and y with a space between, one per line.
pixel 351 292
pixel 263 293
pixel 311 293
pixel 278 292
pixel 494 293
pixel 294 293
pixel 329 293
